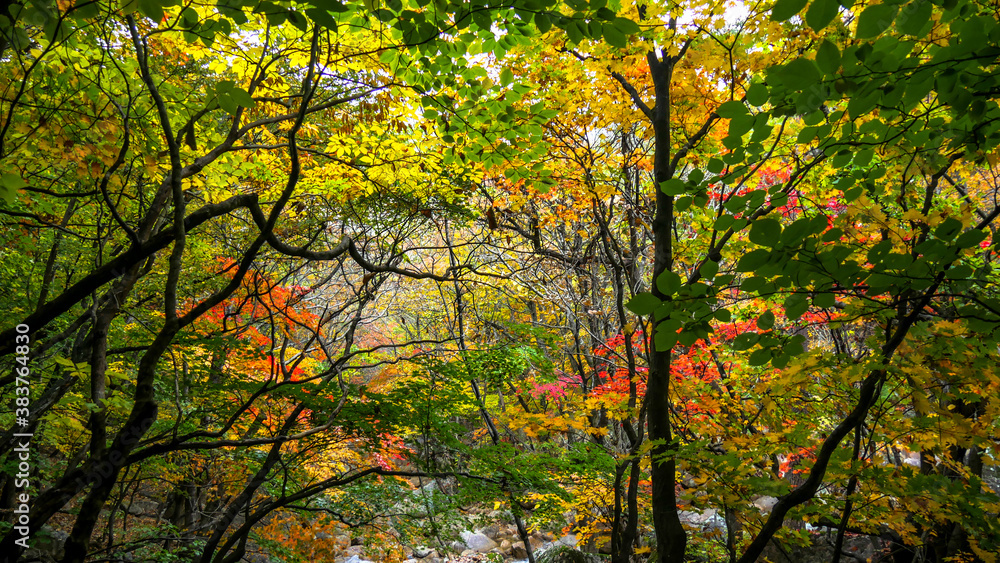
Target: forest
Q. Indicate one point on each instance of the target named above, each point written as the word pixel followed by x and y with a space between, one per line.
pixel 337 280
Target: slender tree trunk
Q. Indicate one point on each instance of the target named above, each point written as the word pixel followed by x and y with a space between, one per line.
pixel 671 539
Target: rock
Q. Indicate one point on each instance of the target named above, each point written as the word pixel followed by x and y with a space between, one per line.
pixel 491 531
pixel 569 540
pixel 563 554
pixel 422 551
pixel 765 504
pixel 547 536
pixel 478 542
pixel 356 541
pixel 468 552
pixel 49 545
pixel 143 508
pixel 356 559
pixel 707 520
pixel 354 550
pixel 457 546
pixel 862 548
pixel 505 546
pixel 517 550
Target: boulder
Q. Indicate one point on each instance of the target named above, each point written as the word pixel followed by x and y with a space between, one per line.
pixel 48 546
pixel 564 554
pixel 491 531
pixel 478 542
pixel 708 519
pixel 422 551
pixel 764 504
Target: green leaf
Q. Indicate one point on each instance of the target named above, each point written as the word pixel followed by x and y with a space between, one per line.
pixel 821 13
pixel 765 232
pixel 824 300
pixel 795 305
pixel 745 340
pixel 800 74
pixel 913 19
pixel 152 9
pixel 626 26
pixel 665 337
pixel 948 229
pixel 605 14
pixel 298 20
pixel 668 283
pixel 874 20
pixel 575 32
pixel 241 97
pixel 506 76
pixel 760 357
pixel 543 22
pixel 740 125
pixel 785 9
pixel 765 321
pixel 709 269
pixel 731 109
pixel 752 284
pixel 9 184
pixel 614 36
pixel 753 260
pixel 323 18
pixel 227 103
pixel 757 95
pixel 969 239
pixel 959 272
pixel 643 303
pixel 683 203
pixel 828 58
pixel 674 186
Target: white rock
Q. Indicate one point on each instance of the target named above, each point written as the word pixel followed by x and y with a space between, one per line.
pixel 478 542
pixel 765 504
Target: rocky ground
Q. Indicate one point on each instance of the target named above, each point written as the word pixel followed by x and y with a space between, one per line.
pixel 493 543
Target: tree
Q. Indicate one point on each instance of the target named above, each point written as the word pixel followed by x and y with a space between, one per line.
pixel 119 122
pixel 773 213
pixel 264 248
